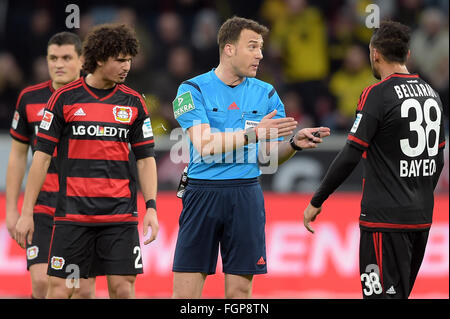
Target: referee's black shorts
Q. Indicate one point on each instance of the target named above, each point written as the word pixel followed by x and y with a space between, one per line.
pixel 389 262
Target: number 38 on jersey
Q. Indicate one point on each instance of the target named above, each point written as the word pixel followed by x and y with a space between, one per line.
pixel 427 137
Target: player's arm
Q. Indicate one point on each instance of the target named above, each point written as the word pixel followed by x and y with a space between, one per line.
pixel 17 165
pixel 36 177
pixel 142 144
pixel 368 116
pixel 148 181
pixel 46 140
pixel 341 167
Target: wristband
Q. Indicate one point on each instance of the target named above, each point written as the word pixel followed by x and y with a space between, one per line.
pixel 151 203
pixel 293 145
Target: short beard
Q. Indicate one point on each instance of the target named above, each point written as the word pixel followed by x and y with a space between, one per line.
pixel 375 73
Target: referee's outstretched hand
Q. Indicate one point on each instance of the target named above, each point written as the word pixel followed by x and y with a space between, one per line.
pixel 309 215
pixel 310 137
pixel 270 128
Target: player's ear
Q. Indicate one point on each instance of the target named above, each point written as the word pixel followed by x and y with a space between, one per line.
pixel 375 55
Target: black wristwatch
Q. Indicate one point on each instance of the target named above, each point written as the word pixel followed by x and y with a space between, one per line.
pixel 293 145
pixel 250 135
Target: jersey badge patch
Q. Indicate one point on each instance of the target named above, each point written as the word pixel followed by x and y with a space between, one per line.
pixel 32 252
pixel 356 123
pixel 46 120
pixel 57 262
pixel 147 128
pixel 183 104
pixel 15 120
pixel 122 114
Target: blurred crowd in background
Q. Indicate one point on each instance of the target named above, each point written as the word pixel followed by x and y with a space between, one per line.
pixel 316 54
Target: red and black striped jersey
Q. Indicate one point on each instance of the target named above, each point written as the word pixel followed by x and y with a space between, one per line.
pixel 96 176
pixel 24 127
pixel 400 127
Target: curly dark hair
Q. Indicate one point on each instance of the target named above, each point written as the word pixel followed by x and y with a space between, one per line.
pixel 392 40
pixel 230 30
pixel 105 41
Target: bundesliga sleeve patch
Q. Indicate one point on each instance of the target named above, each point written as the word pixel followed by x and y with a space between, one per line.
pixel 46 120
pixel 356 123
pixel 15 120
pixel 147 128
pixel 183 104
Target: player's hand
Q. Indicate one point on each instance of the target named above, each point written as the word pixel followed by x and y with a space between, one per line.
pixel 151 219
pixel 269 128
pixel 305 138
pixel 11 221
pixel 24 230
pixel 309 215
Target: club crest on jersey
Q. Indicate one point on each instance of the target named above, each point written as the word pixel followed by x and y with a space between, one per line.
pixel 32 252
pixel 57 262
pixel 122 114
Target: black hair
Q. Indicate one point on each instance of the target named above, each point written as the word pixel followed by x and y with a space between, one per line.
pixel 392 40
pixel 62 38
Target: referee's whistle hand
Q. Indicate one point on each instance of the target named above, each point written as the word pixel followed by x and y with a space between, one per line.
pixel 150 220
pixel 309 215
pixel 310 137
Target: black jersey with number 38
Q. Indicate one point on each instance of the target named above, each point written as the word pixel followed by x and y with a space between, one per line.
pixel 400 127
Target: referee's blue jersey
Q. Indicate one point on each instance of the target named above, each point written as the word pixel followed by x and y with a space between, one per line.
pixel 206 99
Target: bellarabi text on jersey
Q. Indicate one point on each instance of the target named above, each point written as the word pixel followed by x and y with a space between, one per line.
pixel 413 90
pixel 99 130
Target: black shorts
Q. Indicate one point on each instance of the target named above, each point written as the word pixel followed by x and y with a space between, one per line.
pixel 37 252
pixel 94 250
pixel 228 214
pixel 389 262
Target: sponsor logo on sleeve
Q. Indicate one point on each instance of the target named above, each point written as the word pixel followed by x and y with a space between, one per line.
pixel 183 104
pixel 47 119
pixel 16 119
pixel 356 123
pixel 147 128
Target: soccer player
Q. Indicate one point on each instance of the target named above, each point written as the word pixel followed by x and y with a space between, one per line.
pixel 93 121
pixel 64 66
pixel 399 134
pixel 225 112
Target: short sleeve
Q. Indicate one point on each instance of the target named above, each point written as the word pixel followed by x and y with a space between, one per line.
pixel 141 134
pixel 51 125
pixel 188 106
pixel 19 126
pixel 368 116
